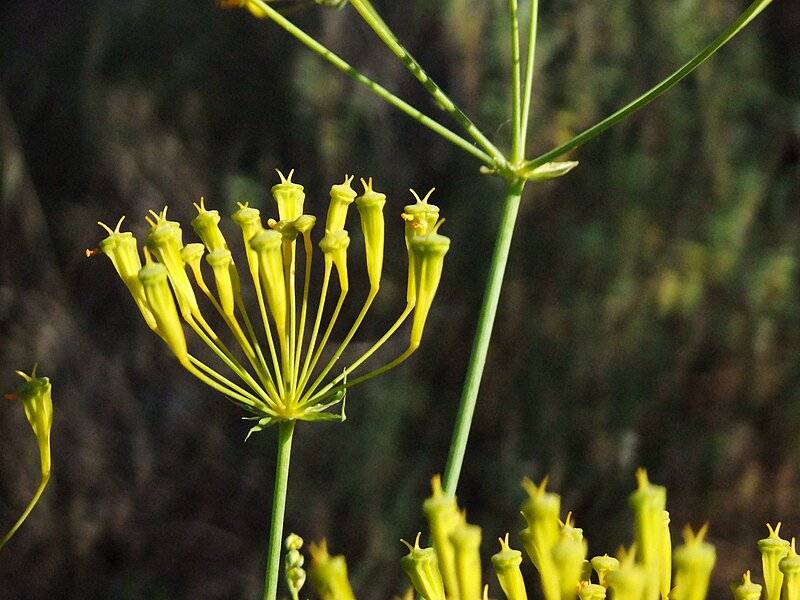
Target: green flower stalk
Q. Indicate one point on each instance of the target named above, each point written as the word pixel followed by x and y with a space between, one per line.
pixel 790 567
pixel 506 564
pixel 422 567
pixel 773 548
pixel 328 574
pixel 653 543
pixel 36 396
pixel 275 357
pixel 746 590
pixel 693 564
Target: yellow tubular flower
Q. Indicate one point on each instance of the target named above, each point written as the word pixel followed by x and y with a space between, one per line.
pixel 428 253
pixel 159 296
pixel 121 248
pixel 541 511
pixel 773 548
pixel 334 245
pixel 790 567
pixel 441 511
pixel 289 196
pixel 268 246
pixel 36 398
pixel 221 263
pixel 165 241
pixel 466 541
pixel 420 218
pixel 206 226
pixel 328 574
pixel 342 195
pixel 422 567
pixel 506 564
pixel 693 564
pixel 648 503
pixel 370 209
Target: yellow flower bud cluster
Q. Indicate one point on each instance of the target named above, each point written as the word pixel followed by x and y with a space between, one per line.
pixel 279 367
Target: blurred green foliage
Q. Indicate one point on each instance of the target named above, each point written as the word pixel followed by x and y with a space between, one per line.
pixel 650 316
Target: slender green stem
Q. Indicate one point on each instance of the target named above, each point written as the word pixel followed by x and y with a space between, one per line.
pixel 517 152
pixel 376 88
pixel 371 17
pixel 33 502
pixel 285 433
pixel 748 15
pixel 480 346
pixel 530 63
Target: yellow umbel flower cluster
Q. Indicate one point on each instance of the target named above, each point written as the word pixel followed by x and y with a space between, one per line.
pixel 278 371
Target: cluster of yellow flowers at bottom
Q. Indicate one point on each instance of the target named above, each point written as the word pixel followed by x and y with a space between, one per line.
pixel 278 371
pixel 648 570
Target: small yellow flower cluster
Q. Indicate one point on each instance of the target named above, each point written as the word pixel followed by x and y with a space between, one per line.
pixel 278 364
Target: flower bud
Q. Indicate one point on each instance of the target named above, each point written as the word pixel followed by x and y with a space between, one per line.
pixel 603 565
pixel 506 564
pixel 441 511
pixel 370 209
pixel 36 398
pixel 773 548
pixel 693 564
pixel 342 195
pixel 747 590
pixel 268 247
pixel 206 226
pixel 289 196
pixel 328 574
pixel 591 591
pixel 466 541
pixel 121 248
pixel 334 245
pixel 422 567
pixel 165 241
pixel 293 563
pixel 790 567
pixel 159 297
pixel 428 259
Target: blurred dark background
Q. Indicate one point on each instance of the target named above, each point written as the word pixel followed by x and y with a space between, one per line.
pixel 651 313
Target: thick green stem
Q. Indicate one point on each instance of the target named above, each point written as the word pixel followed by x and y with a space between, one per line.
pixel 480 346
pixel 285 432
